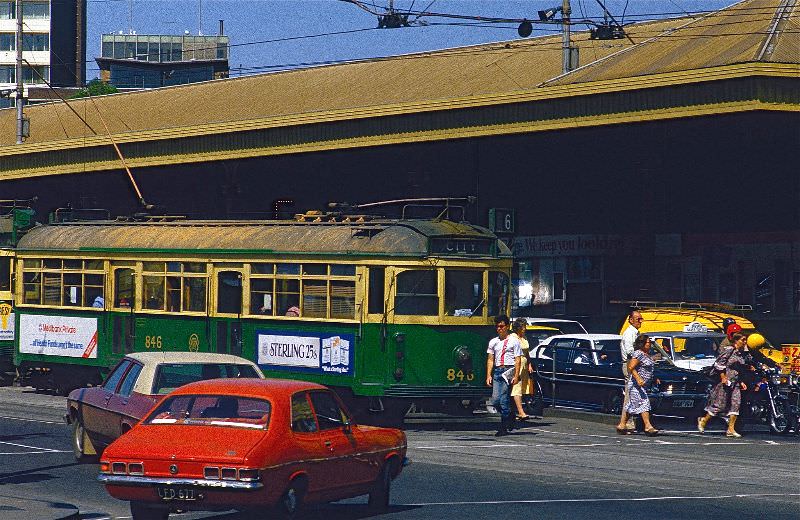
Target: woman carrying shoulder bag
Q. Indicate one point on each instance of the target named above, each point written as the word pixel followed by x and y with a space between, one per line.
pixel 726 396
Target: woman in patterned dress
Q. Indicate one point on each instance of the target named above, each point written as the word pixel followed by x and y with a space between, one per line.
pixel 726 396
pixel 640 367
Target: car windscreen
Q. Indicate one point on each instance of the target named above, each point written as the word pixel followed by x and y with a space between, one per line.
pixel 697 348
pixel 170 376
pixel 214 410
pixel 608 351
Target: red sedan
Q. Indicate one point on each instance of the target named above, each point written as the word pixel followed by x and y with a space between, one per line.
pixel 249 444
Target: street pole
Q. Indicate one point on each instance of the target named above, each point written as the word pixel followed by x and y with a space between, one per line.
pixel 20 86
pixel 565 40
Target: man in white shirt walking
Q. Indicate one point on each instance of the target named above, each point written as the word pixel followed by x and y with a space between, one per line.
pixel 504 356
pixel 626 424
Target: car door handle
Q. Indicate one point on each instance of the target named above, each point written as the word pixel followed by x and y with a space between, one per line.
pixel 329 445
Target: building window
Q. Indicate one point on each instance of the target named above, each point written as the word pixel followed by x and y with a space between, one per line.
pixel 7 11
pixel 35 42
pixel 8 42
pixel 559 287
pixel 35 10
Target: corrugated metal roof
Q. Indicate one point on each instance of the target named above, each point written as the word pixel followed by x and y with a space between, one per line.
pixel 456 73
pixel 730 36
pixel 340 92
pixel 393 238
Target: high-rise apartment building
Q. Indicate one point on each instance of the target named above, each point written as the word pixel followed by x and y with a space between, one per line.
pixel 53 44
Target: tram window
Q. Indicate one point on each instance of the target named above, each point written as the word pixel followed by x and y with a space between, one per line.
pixel 262 268
pixel 94 265
pixel 343 299
pixel 343 270
pixel 287 295
pixel 498 293
pixel 124 288
pixel 261 296
pixel 194 267
pixel 32 263
pixel 154 267
pixel 72 289
pixel 229 292
pixel 315 298
pixel 315 269
pixel 153 292
pixel 32 287
pixel 52 289
pixel 463 293
pixel 93 290
pixel 288 268
pixel 52 264
pixel 173 294
pixel 173 267
pixel 73 264
pixel 417 293
pixel 194 298
pixel 376 290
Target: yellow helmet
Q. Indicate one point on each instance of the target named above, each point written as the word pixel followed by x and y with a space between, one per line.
pixel 755 340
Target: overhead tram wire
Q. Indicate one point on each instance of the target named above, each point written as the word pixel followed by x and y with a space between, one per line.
pixel 141 200
pixel 646 17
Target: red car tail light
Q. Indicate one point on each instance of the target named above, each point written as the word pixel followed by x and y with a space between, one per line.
pixel 135 468
pixel 119 468
pixel 211 472
pixel 105 467
pixel 228 473
pixel 248 474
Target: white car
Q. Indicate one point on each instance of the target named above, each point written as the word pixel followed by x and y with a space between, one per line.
pixel 692 350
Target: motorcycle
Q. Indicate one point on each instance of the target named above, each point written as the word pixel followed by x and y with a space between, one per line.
pixel 764 403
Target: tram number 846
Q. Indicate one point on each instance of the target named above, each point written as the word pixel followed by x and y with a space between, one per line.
pixel 152 342
pixel 452 375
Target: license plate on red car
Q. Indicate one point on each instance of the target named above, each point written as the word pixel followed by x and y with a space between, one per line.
pixel 178 493
pixel 683 403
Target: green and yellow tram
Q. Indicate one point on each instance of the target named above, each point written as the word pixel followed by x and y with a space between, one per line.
pixel 388 312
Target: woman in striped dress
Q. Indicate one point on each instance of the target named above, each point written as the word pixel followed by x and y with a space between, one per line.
pixel 640 367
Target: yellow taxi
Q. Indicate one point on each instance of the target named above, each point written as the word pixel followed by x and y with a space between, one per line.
pixel 702 317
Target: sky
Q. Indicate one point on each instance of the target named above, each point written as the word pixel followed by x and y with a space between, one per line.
pixel 308 27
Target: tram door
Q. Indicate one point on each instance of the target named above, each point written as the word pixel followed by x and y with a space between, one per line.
pixel 123 319
pixel 229 302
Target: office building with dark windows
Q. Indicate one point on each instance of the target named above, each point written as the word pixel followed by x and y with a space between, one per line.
pixel 152 61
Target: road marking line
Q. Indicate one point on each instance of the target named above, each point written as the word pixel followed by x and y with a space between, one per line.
pixel 31 447
pixel 30 452
pixel 773 443
pixel 469 446
pixel 573 500
pixel 30 420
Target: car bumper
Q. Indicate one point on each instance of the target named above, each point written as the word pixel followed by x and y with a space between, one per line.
pixel 129 480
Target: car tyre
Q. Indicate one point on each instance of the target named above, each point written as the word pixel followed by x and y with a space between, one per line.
pixel 381 489
pixel 140 511
pixel 81 444
pixel 292 499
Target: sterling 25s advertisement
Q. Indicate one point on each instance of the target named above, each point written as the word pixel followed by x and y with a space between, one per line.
pixel 58 336
pixel 313 352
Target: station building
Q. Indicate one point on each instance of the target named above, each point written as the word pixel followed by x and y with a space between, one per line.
pixel 662 168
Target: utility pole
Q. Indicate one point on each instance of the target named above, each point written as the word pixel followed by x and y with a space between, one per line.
pixel 20 86
pixel 566 48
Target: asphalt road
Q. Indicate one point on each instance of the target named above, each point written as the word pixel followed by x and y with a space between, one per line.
pixel 555 468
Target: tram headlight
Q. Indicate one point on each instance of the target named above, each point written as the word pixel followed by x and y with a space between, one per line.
pixel 463 357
